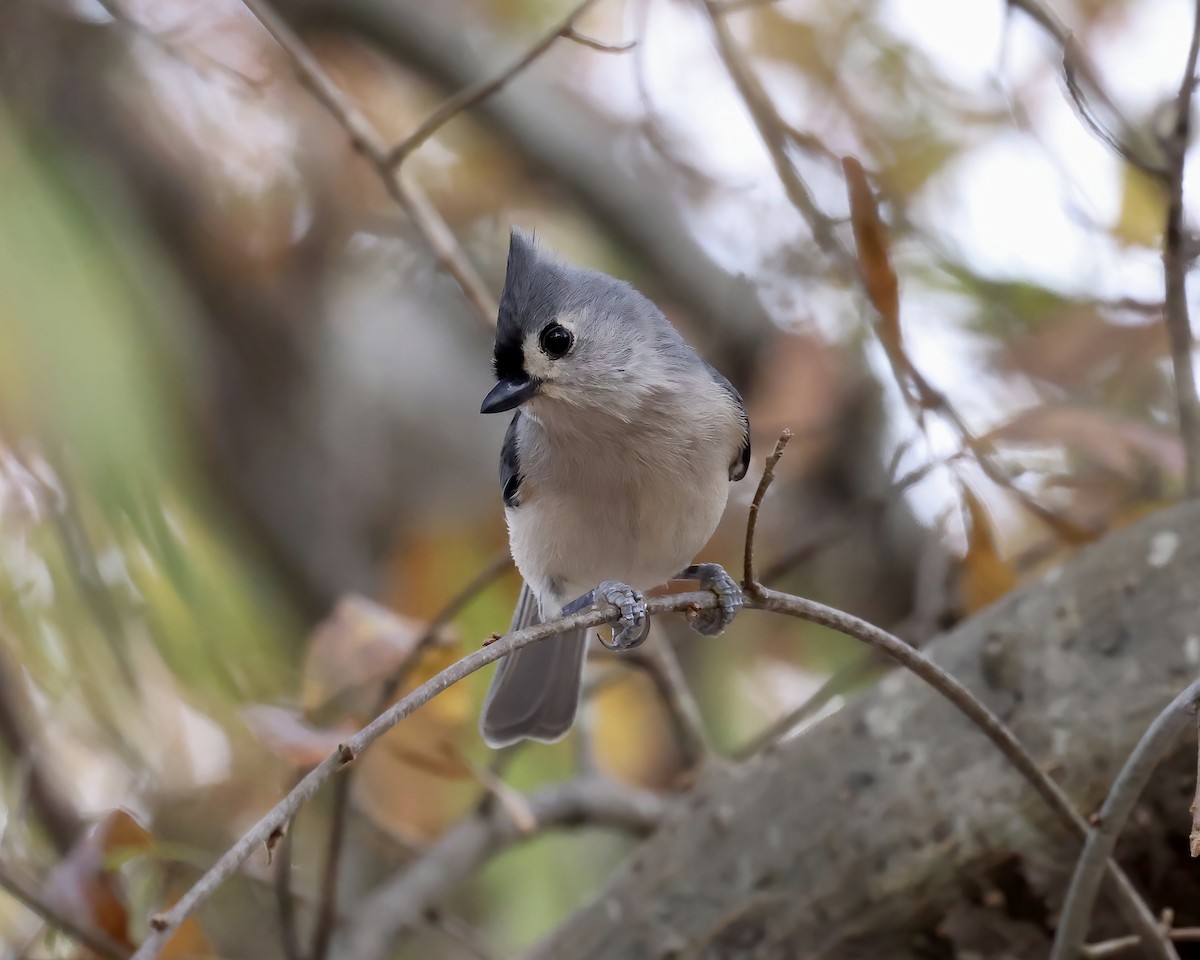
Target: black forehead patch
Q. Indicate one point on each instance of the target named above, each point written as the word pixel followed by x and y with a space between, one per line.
pixel 530 285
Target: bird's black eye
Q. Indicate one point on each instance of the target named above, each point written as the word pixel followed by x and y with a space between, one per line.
pixel 556 340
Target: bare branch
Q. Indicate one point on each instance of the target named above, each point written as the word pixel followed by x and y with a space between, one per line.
pixel 775 135
pixel 467 98
pixel 1175 270
pixel 402 902
pixel 749 577
pixel 1078 72
pixel 327 908
pixel 1194 836
pixel 284 898
pixel 600 45
pixel 366 139
pixel 763 599
pixel 661 665
pixel 163 925
pixel 1157 741
pixel 25 891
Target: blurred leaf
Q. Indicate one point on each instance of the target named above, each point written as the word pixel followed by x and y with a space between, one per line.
pixel 1143 213
pixel 360 644
pixel 1116 443
pixel 914 160
pixel 986 577
pixel 83 885
pixel 1077 347
pixel 874 257
pixel 285 733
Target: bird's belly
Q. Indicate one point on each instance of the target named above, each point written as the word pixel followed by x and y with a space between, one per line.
pixel 637 530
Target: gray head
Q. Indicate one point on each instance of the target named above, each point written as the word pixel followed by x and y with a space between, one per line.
pixel 579 337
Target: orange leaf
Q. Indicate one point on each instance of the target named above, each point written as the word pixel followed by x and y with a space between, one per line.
pixel 874 256
pixel 985 576
pixel 82 885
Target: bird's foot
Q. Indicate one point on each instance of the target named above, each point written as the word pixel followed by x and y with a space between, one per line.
pixel 634 624
pixel 712 576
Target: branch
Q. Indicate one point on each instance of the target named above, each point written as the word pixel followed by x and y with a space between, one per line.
pixel 403 901
pixel 25 891
pixel 366 139
pixel 1076 66
pixel 1194 836
pixel 1175 270
pixel 327 909
pixel 896 799
pixel 163 925
pixel 762 599
pixel 661 665
pixel 749 576
pixel 1151 750
pixel 572 143
pixel 776 136
pixel 470 96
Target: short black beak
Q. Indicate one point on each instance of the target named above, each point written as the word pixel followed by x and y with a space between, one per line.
pixel 508 394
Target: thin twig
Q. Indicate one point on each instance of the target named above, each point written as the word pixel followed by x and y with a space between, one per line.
pixel 1194 836
pixel 776 136
pixel 366 139
pixel 763 599
pixel 1156 743
pixel 401 902
pixel 1076 66
pixel 863 668
pixel 603 46
pixel 284 897
pixel 749 576
pixel 659 662
pixel 1118 945
pixel 25 891
pixel 327 910
pixel 468 97
pixel 1175 270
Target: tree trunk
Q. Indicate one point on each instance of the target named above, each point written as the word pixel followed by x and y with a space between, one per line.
pixel 861 837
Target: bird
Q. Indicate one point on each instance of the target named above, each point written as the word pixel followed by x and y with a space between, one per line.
pixel 614 472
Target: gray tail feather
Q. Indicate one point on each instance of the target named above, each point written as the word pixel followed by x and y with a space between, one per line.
pixel 535 692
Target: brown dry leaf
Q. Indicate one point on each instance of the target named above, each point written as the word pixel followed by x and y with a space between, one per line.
pixel 1118 444
pixel 1077 346
pixel 286 734
pixel 83 886
pixel 361 643
pixel 874 256
pixel 986 577
pixel 403 783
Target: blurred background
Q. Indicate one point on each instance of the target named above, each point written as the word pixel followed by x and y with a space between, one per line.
pixel 242 469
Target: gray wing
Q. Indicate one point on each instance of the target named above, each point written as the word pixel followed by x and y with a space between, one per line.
pixel 510 465
pixel 535 692
pixel 739 466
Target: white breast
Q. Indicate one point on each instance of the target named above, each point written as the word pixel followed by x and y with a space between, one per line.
pixel 603 499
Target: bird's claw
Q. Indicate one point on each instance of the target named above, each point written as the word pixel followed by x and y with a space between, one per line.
pixel 631 628
pixel 712 576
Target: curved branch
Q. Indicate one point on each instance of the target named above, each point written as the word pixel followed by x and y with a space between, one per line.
pixel 403 901
pixel 1151 750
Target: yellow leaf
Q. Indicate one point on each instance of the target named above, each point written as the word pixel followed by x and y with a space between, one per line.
pixel 1143 212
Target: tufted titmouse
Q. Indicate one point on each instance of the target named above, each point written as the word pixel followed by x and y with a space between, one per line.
pixel 615 471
